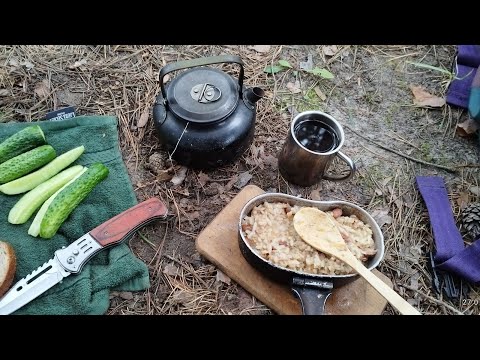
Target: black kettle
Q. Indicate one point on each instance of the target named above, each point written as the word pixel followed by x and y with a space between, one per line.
pixel 204 117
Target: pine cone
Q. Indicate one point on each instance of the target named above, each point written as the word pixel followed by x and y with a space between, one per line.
pixel 471 219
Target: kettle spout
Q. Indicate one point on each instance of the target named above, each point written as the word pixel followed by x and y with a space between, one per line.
pixel 254 94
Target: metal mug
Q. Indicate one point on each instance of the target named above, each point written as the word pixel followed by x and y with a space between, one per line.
pixel 306 167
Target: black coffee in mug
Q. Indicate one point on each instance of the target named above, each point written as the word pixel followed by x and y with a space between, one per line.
pixel 316 136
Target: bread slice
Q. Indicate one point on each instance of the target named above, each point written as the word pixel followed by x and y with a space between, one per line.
pixel 8 264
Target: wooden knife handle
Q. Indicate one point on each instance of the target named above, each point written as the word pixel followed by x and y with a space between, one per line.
pixel 125 224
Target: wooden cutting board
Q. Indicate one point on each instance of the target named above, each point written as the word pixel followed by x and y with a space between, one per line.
pixel 218 243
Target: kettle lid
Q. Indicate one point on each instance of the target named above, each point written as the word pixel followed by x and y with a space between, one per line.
pixel 203 95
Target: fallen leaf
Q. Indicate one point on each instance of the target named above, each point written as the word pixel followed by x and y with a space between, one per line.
pixel 170 269
pixel 307 65
pixel 292 110
pixel 467 128
pixel 182 297
pixel 230 183
pixel 27 64
pixel 164 175
pixel 294 88
pixel 424 98
pixel 330 50
pixel 4 92
pixel 273 69
pixel 13 62
pixel 387 180
pixel 324 73
pixel 261 48
pixel 203 178
pixel 378 192
pixel 319 93
pixel 475 190
pixel 143 118
pixel 243 179
pixel 381 217
pixel 284 63
pixel 463 200
pixel 180 176
pixel 42 89
pixel 126 295
pixel 193 215
pixel 78 64
pixel 315 194
pixel 271 161
pixel 221 277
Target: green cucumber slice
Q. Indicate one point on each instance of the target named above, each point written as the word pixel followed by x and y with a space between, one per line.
pixel 31 201
pixel 69 198
pixel 30 181
pixel 25 163
pixel 34 228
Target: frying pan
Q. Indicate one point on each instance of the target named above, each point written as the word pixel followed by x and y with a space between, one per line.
pixel 312 289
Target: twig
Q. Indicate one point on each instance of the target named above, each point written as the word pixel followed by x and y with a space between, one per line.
pixel 432 299
pixel 144 238
pixel 446 168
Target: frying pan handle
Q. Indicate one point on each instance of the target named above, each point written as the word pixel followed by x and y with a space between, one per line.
pixel 312 298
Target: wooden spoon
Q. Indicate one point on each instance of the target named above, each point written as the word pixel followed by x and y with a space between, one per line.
pixel 319 231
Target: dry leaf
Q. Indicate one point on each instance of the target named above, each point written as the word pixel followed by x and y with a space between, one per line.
pixel 387 180
pixel 315 194
pixel 423 98
pixel 330 50
pixel 143 118
pixel 294 88
pixel 13 62
pixel 381 217
pixel 243 179
pixel 307 65
pixel 4 92
pixel 230 183
pixel 27 64
pixel 261 48
pixel 462 200
pixel 193 215
pixel 203 178
pixel 170 269
pixel 271 161
pixel 319 93
pixel 475 190
pixel 164 175
pixel 42 89
pixel 180 176
pixel 467 128
pixel 126 295
pixel 221 277
pixel 78 64
pixel 182 297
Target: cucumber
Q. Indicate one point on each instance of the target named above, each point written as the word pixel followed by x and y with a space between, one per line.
pixel 34 229
pixel 25 163
pixel 32 200
pixel 30 181
pixel 69 198
pixel 20 142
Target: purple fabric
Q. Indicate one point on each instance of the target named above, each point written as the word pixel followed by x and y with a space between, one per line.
pixel 468 55
pixel 468 60
pixel 459 90
pixel 451 255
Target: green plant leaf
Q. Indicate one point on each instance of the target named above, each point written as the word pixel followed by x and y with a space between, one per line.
pixel 273 69
pixel 430 67
pixel 324 73
pixel 284 63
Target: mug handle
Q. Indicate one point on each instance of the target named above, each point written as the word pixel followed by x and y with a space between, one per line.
pixel 350 164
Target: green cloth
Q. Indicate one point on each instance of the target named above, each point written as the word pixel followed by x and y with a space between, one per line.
pixel 115 268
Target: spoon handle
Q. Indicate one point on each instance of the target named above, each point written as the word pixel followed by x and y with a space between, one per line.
pixel 389 294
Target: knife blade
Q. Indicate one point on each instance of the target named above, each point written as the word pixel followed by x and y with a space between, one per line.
pixel 71 259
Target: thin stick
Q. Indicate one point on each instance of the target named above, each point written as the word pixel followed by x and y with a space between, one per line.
pixel 432 299
pixel 446 168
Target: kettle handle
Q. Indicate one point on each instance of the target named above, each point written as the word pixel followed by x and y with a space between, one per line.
pixel 185 64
